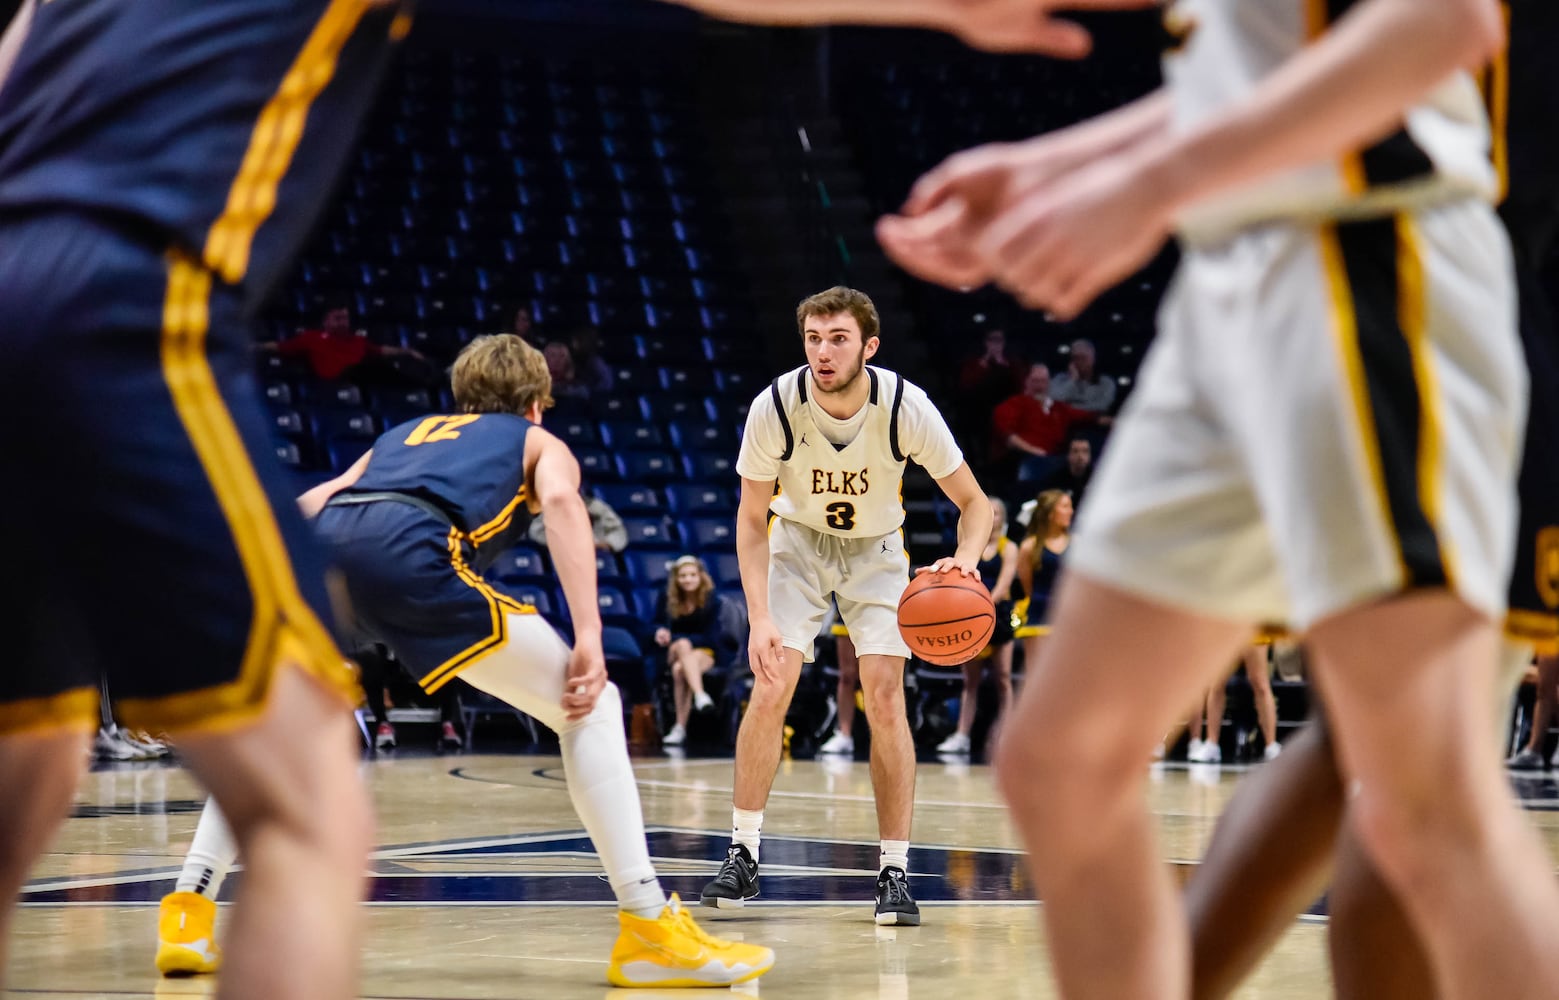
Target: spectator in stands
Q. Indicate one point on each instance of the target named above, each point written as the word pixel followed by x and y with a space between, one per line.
pixel 1081 385
pixel 1031 424
pixel 1073 477
pixel 687 627
pixel 1039 564
pixel 983 381
pixel 842 741
pixel 1207 746
pixel 1530 757
pixel 593 370
pixel 525 329
pixel 336 349
pixel 605 524
pixel 566 383
pixel 378 668
pixel 998 571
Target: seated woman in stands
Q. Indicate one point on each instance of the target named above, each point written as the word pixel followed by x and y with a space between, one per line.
pixel 998 569
pixel 1039 563
pixel 687 626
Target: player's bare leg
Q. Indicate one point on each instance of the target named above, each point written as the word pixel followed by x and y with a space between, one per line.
pixel 893 747
pixel 1259 672
pixel 38 776
pixel 761 737
pixel 288 786
pixel 1270 857
pixel 1071 766
pixel 1439 822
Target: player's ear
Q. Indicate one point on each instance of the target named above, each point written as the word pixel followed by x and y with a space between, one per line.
pixel 870 349
pixel 533 413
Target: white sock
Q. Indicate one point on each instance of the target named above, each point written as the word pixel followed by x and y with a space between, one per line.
pixel 211 856
pixel 895 853
pixel 595 756
pixel 745 827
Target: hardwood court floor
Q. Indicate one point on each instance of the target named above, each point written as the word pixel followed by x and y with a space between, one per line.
pixel 485 886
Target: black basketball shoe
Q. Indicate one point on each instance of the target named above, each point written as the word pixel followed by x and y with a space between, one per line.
pixel 895 906
pixel 736 883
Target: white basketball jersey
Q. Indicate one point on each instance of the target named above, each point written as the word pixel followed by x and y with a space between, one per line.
pixel 853 489
pixel 1440 151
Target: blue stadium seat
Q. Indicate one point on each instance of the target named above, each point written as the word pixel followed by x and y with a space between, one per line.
pixel 725 569
pixel 608 569
pixel 649 466
pixel 340 453
pixel 631 435
pixel 697 435
pixel 644 601
pixel 345 424
pixel 575 431
pixel 521 562
pixel 596 464
pixel 288 423
pixel 651 532
pixel 539 595
pixel 688 381
pixel 290 454
pixel 698 498
pixel 715 466
pixel 620 406
pixel 647 567
pixel 613 601
pixel 619 645
pixel 278 393
pixel 737 382
pixel 676 406
pixel 710 534
pixel 630 498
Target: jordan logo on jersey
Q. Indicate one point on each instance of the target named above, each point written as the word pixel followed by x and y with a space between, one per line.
pixel 850 484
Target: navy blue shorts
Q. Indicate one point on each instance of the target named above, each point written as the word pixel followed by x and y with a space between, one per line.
pixel 151 533
pixel 411 588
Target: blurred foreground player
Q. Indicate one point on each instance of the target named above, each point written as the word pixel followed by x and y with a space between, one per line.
pixel 159 163
pixel 1355 479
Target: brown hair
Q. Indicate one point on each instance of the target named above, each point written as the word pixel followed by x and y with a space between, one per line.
pixel 500 373
pixel 840 299
pixel 678 602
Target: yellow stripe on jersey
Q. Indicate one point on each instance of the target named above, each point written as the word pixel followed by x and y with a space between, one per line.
pixel 73 710
pixel 275 138
pixel 500 522
pixel 282 625
pixel 498 604
pixel 1413 317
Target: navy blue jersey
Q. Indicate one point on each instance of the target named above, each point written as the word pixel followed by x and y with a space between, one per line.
pixel 218 125
pixel 471 466
pixel 1524 92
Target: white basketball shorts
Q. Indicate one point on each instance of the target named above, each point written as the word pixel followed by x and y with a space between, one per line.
pixel 1332 413
pixel 867 575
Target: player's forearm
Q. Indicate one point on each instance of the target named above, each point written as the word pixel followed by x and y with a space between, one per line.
pixel 1348 89
pixel 572 547
pixel 752 558
pixel 974 527
pixel 925 13
pixel 1144 120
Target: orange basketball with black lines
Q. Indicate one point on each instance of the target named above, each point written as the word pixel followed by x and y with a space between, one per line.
pixel 946 618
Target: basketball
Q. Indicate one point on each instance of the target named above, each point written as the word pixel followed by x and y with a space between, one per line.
pixel 946 618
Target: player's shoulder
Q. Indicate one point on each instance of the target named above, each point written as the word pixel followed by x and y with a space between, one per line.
pixel 783 389
pixel 894 390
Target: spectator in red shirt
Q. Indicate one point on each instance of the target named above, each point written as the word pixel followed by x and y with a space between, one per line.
pixel 335 348
pixel 1033 423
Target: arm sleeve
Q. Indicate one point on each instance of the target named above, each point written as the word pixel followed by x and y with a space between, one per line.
pixel 763 441
pixel 662 617
pixel 926 436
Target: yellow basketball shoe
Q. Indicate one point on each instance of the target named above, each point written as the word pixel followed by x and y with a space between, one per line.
pixel 186 935
pixel 672 951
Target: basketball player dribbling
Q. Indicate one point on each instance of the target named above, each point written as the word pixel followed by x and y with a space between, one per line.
pixel 824 452
pixel 1326 433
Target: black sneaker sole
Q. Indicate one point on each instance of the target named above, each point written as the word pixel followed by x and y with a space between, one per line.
pixel 898 920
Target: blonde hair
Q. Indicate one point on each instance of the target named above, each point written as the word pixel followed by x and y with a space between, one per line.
pixel 500 373
pixel 678 601
pixel 1039 521
pixel 836 300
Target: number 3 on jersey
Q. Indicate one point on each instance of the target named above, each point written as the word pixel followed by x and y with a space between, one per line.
pixel 841 515
pixel 440 429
